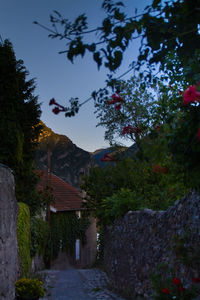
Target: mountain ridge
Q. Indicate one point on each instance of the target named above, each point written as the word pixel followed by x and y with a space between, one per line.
pixel 67 160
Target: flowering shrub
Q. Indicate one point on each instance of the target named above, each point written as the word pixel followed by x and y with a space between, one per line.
pixel 191 95
pixel 159 169
pixel 115 99
pixel 167 286
pixel 27 288
pixel 130 129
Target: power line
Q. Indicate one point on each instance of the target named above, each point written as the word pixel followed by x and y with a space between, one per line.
pixel 119 77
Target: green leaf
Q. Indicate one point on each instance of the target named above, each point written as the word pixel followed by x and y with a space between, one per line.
pixel 155 3
pixel 98 59
pixel 118 58
pixel 91 47
pixel 119 16
pixel 107 26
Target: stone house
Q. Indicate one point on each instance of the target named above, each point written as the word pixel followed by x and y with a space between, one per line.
pixel 68 199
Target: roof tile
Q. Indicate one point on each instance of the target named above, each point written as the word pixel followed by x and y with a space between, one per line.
pixel 67 197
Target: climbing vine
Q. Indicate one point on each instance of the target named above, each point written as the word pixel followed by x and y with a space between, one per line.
pixel 65 228
pixel 39 236
pixel 23 236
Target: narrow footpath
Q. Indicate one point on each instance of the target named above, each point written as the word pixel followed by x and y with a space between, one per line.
pixel 78 284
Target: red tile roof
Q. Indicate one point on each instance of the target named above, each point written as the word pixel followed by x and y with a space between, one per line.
pixel 67 197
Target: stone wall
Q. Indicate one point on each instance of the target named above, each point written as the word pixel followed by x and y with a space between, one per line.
pixel 8 235
pixel 135 245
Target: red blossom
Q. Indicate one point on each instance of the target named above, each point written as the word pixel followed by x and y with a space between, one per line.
pixel 127 129
pixel 130 129
pixel 106 157
pixel 52 101
pixel 191 95
pixel 159 169
pixel 166 291
pixel 196 280
pixel 56 110
pixel 117 107
pixel 137 130
pixel 181 288
pixel 176 281
pixel 111 102
pixel 115 99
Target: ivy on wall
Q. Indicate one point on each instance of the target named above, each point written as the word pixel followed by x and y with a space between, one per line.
pixel 24 238
pixel 65 228
pixel 35 236
pixel 39 236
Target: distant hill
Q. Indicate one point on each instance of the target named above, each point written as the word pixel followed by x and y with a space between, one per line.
pixel 67 160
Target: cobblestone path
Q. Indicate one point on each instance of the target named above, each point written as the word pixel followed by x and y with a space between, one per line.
pixel 78 284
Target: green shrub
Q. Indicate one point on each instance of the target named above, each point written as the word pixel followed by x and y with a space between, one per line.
pixel 117 205
pixel 27 288
pixel 24 238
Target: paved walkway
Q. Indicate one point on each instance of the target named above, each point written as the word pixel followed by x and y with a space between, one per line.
pixel 73 284
pixel 67 285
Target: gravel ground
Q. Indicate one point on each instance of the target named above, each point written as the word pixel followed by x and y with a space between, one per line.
pixel 96 284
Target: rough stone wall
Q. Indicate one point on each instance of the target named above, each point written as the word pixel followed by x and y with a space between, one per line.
pixel 8 235
pixel 135 245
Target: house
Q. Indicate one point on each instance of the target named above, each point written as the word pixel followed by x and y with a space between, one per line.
pixel 68 199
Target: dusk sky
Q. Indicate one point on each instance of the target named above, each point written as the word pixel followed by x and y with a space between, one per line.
pixel 55 75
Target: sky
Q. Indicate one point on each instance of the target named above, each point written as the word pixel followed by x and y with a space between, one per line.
pixel 55 76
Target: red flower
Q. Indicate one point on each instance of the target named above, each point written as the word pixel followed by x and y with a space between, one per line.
pixel 159 169
pixel 130 129
pixel 106 157
pixel 137 130
pixel 111 102
pixel 127 129
pixel 191 95
pixel 166 291
pixel 56 110
pixel 156 169
pixel 52 101
pixel 115 99
pixel 176 281
pixel 181 288
pixel 196 280
pixel 117 107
